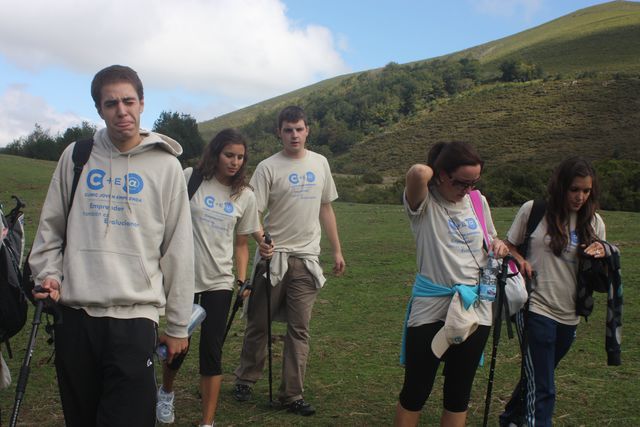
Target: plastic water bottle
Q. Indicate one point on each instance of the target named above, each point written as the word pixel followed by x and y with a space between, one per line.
pixel 197 316
pixel 489 280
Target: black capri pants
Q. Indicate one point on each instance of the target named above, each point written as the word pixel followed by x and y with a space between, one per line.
pixel 216 304
pixel 421 366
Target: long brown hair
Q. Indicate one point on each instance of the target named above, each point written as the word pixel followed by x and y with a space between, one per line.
pixel 208 164
pixel 557 212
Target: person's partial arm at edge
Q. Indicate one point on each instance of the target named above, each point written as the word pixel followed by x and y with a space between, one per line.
pixel 46 258
pixel 328 221
pixel 176 264
pixel 417 178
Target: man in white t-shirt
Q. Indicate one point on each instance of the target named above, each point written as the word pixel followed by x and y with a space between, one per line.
pixel 294 190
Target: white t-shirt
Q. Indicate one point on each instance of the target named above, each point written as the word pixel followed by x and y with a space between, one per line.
pixel 216 219
pixel 554 295
pixel 438 227
pixel 290 192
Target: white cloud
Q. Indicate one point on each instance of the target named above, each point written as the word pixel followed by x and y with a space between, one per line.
pixel 508 8
pixel 242 49
pixel 20 111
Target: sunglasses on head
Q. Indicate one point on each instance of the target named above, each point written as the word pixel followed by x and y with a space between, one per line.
pixel 463 185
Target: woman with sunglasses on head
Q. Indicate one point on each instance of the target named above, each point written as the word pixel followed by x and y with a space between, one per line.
pixel 222 209
pixel 450 254
pixel 570 225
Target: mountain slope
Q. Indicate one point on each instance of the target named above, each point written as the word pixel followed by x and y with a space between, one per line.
pixel 580 95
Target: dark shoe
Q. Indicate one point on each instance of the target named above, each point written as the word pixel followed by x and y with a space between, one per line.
pixel 300 407
pixel 242 392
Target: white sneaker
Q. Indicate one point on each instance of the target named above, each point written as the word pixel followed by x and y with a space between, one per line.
pixel 164 407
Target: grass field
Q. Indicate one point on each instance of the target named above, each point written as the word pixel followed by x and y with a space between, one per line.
pixel 353 375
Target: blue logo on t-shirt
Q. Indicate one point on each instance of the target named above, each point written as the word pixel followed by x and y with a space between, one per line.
pixel 293 178
pixel 228 207
pixel 574 238
pixel 311 176
pixel 472 224
pixel 134 182
pixel 209 201
pixel 95 179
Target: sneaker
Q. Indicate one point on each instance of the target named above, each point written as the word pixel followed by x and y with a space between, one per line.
pixel 164 407
pixel 242 392
pixel 300 407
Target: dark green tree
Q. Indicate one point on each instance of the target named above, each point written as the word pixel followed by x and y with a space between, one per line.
pixel 519 71
pixel 39 144
pixel 75 133
pixel 184 129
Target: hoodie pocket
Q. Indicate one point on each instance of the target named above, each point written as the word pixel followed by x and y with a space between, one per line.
pixel 108 278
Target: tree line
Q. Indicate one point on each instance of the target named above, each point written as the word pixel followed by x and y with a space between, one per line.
pixel 41 144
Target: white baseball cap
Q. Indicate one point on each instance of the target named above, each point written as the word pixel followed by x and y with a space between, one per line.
pixel 459 324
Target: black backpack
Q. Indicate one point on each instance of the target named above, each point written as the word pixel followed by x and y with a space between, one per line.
pixel 81 153
pixel 13 303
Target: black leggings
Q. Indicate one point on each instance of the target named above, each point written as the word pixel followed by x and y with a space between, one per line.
pixel 216 304
pixel 421 366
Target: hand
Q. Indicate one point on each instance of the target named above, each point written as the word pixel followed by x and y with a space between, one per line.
pixel 499 249
pixel 596 250
pixel 175 346
pixel 526 270
pixel 246 291
pixel 338 264
pixel 266 250
pixel 49 288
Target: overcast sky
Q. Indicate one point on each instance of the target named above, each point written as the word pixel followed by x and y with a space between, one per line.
pixel 210 57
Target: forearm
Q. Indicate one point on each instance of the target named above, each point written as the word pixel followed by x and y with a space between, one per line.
pixel 416 185
pixel 330 226
pixel 242 256
pixel 176 264
pixel 513 250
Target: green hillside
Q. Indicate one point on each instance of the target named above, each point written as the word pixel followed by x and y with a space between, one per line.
pixel 385 119
pixel 245 115
pixel 534 123
pixel 604 37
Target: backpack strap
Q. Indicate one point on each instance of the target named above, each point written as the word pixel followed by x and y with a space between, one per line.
pixel 194 182
pixel 535 216
pixel 81 153
pixel 476 204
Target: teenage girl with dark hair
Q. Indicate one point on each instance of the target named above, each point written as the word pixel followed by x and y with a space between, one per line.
pixel 449 244
pixel 222 206
pixel 570 222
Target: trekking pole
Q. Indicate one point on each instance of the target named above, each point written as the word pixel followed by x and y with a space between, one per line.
pixel 21 385
pixel 501 302
pixel 16 211
pixel 238 303
pixel 267 240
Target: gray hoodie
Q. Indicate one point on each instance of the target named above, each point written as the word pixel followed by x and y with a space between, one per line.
pixel 129 246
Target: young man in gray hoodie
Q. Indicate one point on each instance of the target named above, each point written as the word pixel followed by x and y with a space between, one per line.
pixel 128 259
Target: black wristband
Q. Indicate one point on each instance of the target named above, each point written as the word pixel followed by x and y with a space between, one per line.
pixel 239 283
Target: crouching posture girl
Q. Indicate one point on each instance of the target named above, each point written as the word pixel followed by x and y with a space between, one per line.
pixel 450 254
pixel 222 206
